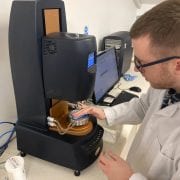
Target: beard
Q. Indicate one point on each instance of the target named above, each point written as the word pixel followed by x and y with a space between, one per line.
pixel 159 86
pixel 163 80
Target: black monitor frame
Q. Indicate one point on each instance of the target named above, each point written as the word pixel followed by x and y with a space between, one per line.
pixel 100 56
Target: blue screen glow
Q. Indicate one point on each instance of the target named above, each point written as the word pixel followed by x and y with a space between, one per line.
pixel 90 60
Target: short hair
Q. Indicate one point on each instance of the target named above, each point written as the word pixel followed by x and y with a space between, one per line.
pixel 161 24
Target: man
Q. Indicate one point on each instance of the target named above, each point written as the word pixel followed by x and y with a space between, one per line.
pixel 155 152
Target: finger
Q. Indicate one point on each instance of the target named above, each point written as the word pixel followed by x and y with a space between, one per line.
pixel 113 156
pixel 103 159
pixel 101 163
pixel 82 106
pixel 100 158
pixel 81 112
pixel 103 167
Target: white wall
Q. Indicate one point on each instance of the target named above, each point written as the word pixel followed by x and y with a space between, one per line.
pixel 102 17
pixel 7 101
pixel 144 8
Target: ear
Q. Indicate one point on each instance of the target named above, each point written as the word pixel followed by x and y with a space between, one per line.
pixel 178 65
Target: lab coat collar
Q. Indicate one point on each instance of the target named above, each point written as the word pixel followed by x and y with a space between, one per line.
pixel 169 110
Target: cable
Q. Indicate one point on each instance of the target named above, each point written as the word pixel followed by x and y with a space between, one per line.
pixel 7 122
pixel 62 130
pixel 55 123
pixel 9 138
pixel 5 134
pixel 118 85
pixel 5 145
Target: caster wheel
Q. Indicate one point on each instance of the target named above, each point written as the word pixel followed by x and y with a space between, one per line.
pixel 77 173
pixel 22 154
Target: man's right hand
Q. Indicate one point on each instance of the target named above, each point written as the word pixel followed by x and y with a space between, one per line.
pixel 92 110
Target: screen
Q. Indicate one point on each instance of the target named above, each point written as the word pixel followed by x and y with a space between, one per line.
pixel 106 74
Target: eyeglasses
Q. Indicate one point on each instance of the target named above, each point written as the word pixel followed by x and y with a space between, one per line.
pixel 140 66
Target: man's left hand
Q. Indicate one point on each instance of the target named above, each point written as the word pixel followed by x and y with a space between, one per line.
pixel 114 167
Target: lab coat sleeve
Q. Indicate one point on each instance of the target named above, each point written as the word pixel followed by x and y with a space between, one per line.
pixel 131 112
pixel 137 176
pixel 176 175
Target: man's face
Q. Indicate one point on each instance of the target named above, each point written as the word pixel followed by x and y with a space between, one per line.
pixel 158 75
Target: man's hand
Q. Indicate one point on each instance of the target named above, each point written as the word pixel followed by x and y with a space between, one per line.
pixel 114 167
pixel 92 110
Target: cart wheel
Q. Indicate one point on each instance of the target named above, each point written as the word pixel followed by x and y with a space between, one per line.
pixel 77 173
pixel 22 154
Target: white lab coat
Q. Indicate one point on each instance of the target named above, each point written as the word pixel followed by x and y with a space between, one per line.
pixel 155 152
